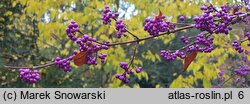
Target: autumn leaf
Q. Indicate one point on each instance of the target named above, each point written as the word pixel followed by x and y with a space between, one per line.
pixel 80 58
pixel 159 15
pixel 189 59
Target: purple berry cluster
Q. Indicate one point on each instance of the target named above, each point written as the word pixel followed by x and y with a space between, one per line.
pixel 171 56
pixel 107 15
pixel 71 30
pixel 206 21
pixel 64 63
pixel 243 70
pixel 184 39
pixel 87 43
pixel 203 44
pixel 226 17
pixel 156 25
pixel 221 77
pixel 121 28
pixel 123 76
pixel 102 56
pixel 29 76
pixel 237 46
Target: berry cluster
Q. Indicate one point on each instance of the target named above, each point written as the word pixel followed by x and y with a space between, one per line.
pixel 243 70
pixel 156 25
pixel 237 46
pixel 102 56
pixel 88 44
pixel 226 17
pixel 107 15
pixel 171 56
pixel 203 44
pixel 123 77
pixel 29 76
pixel 121 28
pixel 184 39
pixel 64 63
pixel 71 30
pixel 221 77
pixel 206 22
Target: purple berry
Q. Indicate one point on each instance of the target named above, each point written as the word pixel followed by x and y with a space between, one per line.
pixel 181 18
pixel 139 69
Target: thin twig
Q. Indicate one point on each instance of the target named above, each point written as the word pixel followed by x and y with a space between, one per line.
pixel 33 67
pixel 132 34
pixel 133 57
pixel 228 79
pixel 243 40
pixel 150 37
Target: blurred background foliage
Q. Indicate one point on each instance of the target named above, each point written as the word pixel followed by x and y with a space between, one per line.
pixel 32 32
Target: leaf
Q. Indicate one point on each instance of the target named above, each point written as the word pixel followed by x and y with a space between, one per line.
pixel 159 15
pixel 189 59
pixel 80 58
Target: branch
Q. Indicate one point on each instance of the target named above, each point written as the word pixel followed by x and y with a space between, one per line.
pixel 133 56
pixel 33 67
pixel 243 40
pixel 149 37
pixel 132 34
pixel 228 79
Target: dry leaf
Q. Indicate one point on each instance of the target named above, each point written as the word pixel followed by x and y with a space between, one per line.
pixel 80 58
pixel 159 15
pixel 189 59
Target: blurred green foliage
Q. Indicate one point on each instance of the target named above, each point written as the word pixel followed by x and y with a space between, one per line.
pixel 32 32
